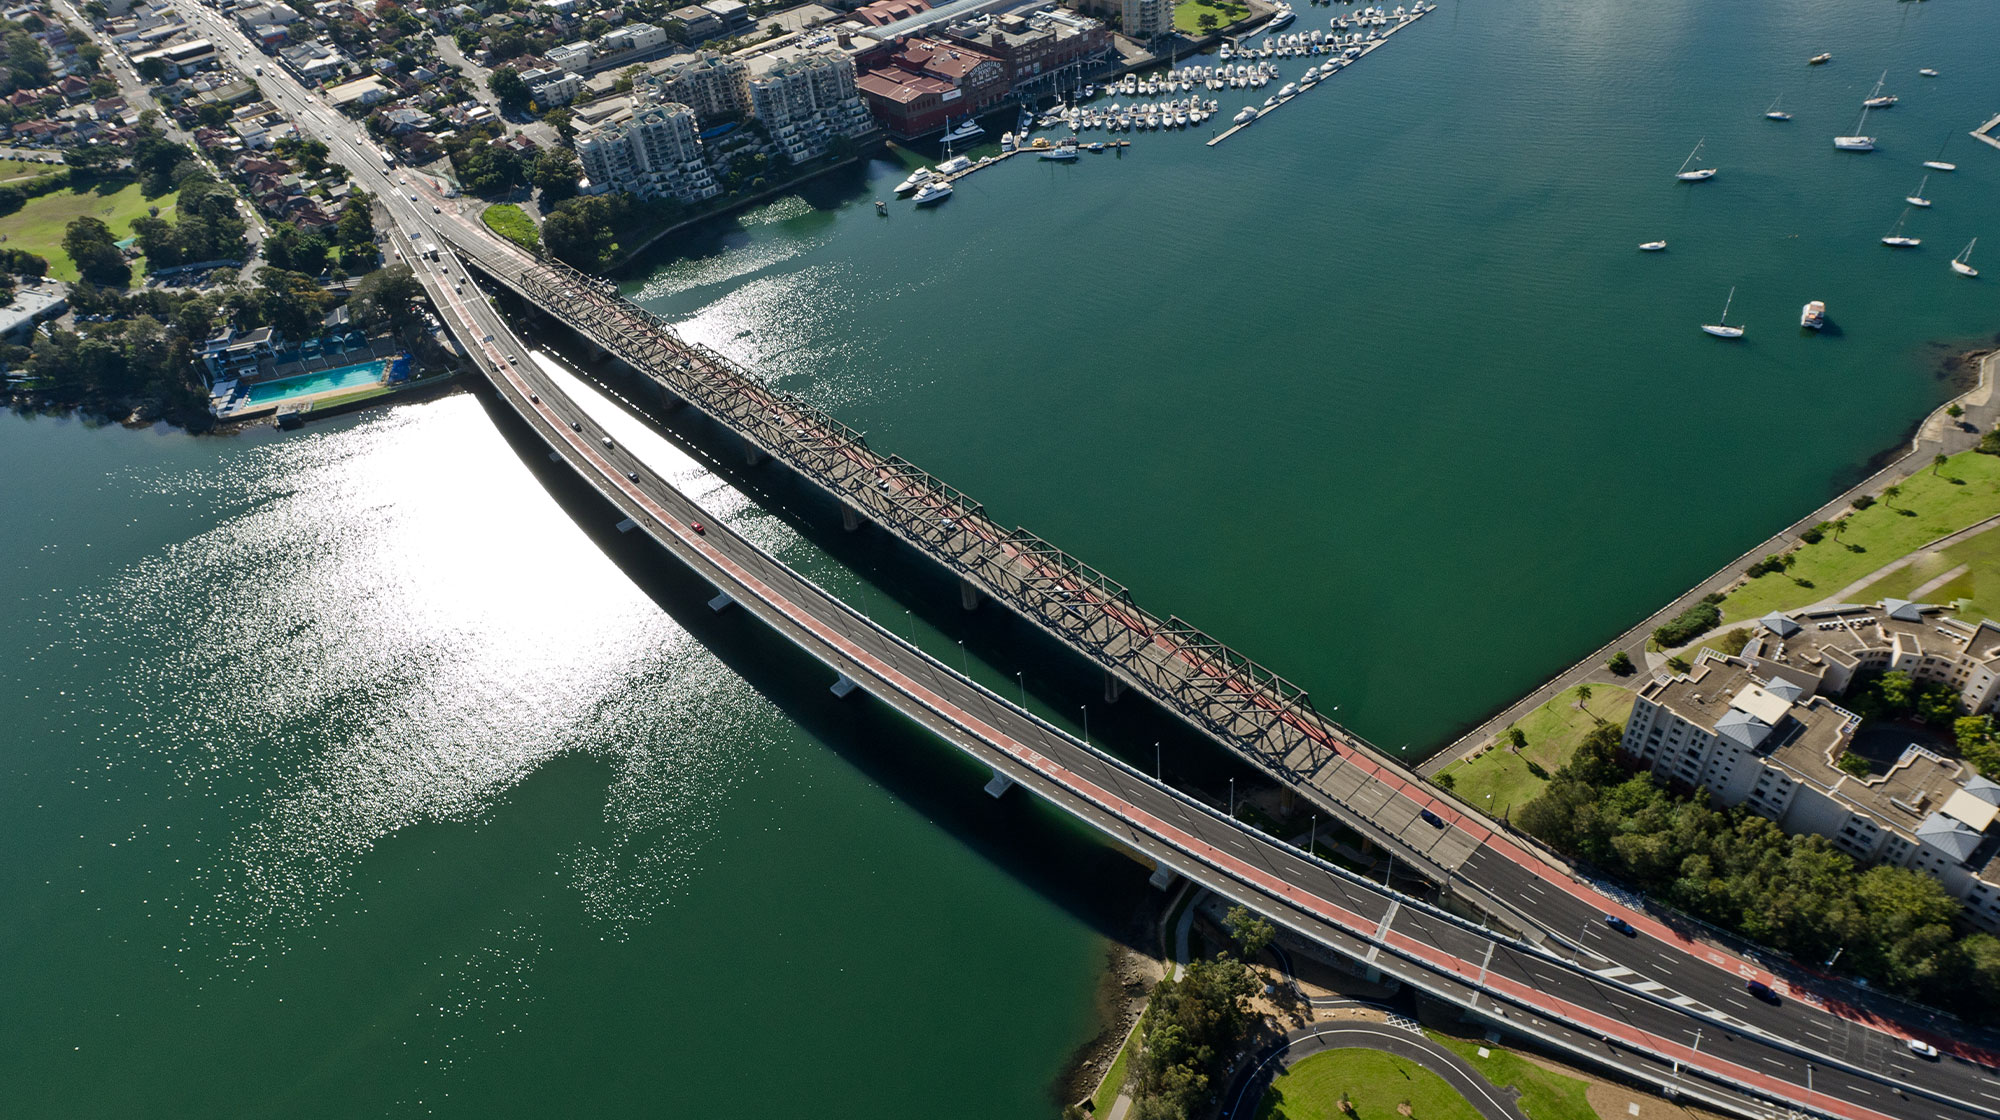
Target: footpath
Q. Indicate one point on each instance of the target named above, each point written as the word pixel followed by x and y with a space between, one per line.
pixel 1940 433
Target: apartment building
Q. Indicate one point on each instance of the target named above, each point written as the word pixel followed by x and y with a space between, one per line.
pixel 654 150
pixel 805 103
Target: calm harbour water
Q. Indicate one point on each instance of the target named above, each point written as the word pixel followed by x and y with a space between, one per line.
pixel 349 775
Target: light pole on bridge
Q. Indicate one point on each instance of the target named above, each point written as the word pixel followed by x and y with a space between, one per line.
pixel 1024 690
pixel 1232 799
pixel 1086 723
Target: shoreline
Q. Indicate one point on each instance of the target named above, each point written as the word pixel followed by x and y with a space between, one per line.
pixel 1972 372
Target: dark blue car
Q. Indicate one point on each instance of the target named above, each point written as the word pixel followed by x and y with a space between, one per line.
pixel 1621 925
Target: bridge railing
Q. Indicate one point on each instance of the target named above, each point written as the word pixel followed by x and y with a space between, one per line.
pixel 1244 705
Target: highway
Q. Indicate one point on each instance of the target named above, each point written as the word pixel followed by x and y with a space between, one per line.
pixel 1735 1052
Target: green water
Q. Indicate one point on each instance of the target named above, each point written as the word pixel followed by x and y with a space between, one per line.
pixel 346 776
pixel 354 773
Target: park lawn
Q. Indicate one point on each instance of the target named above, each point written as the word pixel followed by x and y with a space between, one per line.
pixel 1188 13
pixel 1964 491
pixel 1977 589
pixel 1375 1083
pixel 1545 1094
pixel 38 226
pixel 1554 730
pixel 13 170
pixel 1114 1078
pixel 512 223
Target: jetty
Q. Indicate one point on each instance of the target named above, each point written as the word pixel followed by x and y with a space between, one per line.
pixel 1985 133
pixel 1396 24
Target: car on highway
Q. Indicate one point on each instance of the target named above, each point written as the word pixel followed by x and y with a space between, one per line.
pixel 1621 925
pixel 437 209
pixel 632 476
pixel 1762 991
pixel 698 527
pixel 1432 819
pixel 1922 1049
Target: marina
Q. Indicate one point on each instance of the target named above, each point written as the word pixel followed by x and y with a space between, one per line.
pixel 1358 46
pixel 1985 132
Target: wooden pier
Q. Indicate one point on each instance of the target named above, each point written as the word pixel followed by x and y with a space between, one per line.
pixel 1367 49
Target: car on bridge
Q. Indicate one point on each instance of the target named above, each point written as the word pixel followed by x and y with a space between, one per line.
pixel 1621 925
pixel 1923 1049
pixel 1762 991
pixel 1431 819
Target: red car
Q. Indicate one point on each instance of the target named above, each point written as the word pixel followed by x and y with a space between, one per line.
pixel 697 527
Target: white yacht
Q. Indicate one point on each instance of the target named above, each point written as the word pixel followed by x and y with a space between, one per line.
pixel 1937 162
pixel 1247 115
pixel 917 179
pixel 1918 198
pixel 968 129
pixel 933 192
pixel 1284 16
pixel 1698 174
pixel 1962 263
pixel 1652 246
pixel 1814 315
pixel 1896 240
pixel 954 165
pixel 1857 142
pixel 1928 72
pixel 1723 329
pixel 1875 100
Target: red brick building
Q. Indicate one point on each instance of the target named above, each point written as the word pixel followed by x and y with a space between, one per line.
pixel 916 86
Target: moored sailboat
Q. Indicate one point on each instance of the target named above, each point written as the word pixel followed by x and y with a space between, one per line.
pixel 1857 142
pixel 1700 173
pixel 1774 113
pixel 1723 329
pixel 1918 198
pixel 1962 263
pixel 1896 239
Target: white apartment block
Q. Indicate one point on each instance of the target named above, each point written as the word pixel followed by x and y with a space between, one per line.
pixel 1756 738
pixel 713 85
pixel 1146 20
pixel 655 152
pixel 805 103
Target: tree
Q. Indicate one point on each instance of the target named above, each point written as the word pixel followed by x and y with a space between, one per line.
pixel 1989 444
pixel 388 297
pixel 555 172
pixel 1890 494
pixel 1253 934
pixel 152 69
pixel 1583 697
pixel 1189 1028
pixel 508 87
pixel 1954 411
pixel 1208 23
pixel 95 252
pixel 1938 461
pixel 1621 664
pixel 1862 502
pixel 1516 738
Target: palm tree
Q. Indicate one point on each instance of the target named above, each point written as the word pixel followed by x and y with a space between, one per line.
pixel 1937 462
pixel 1889 495
pixel 1583 696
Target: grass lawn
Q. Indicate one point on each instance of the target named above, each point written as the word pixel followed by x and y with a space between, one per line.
pixel 1375 1083
pixel 1114 1079
pixel 512 223
pixel 1977 589
pixel 1965 490
pixel 1545 1094
pixel 1188 13
pixel 38 226
pixel 1553 732
pixel 12 170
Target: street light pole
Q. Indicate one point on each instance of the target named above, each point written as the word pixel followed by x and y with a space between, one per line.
pixel 1024 690
pixel 1232 799
pixel 1156 762
pixel 1086 723
pixel 1312 838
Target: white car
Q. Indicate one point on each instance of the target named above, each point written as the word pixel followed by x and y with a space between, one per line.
pixel 1922 1049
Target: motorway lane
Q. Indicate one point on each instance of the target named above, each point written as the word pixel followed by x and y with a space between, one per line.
pixel 1427 937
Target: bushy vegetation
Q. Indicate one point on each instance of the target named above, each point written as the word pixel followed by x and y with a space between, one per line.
pixel 1795 893
pixel 1190 1028
pixel 512 223
pixel 1691 623
pixel 206 226
pixel 585 232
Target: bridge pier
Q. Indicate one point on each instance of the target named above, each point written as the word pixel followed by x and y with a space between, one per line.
pixel 1113 687
pixel 850 518
pixel 721 602
pixel 1162 877
pixel 753 455
pixel 842 685
pixel 669 400
pixel 1000 784
pixel 968 595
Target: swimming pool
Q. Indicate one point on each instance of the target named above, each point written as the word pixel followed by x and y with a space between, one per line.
pixel 305 384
